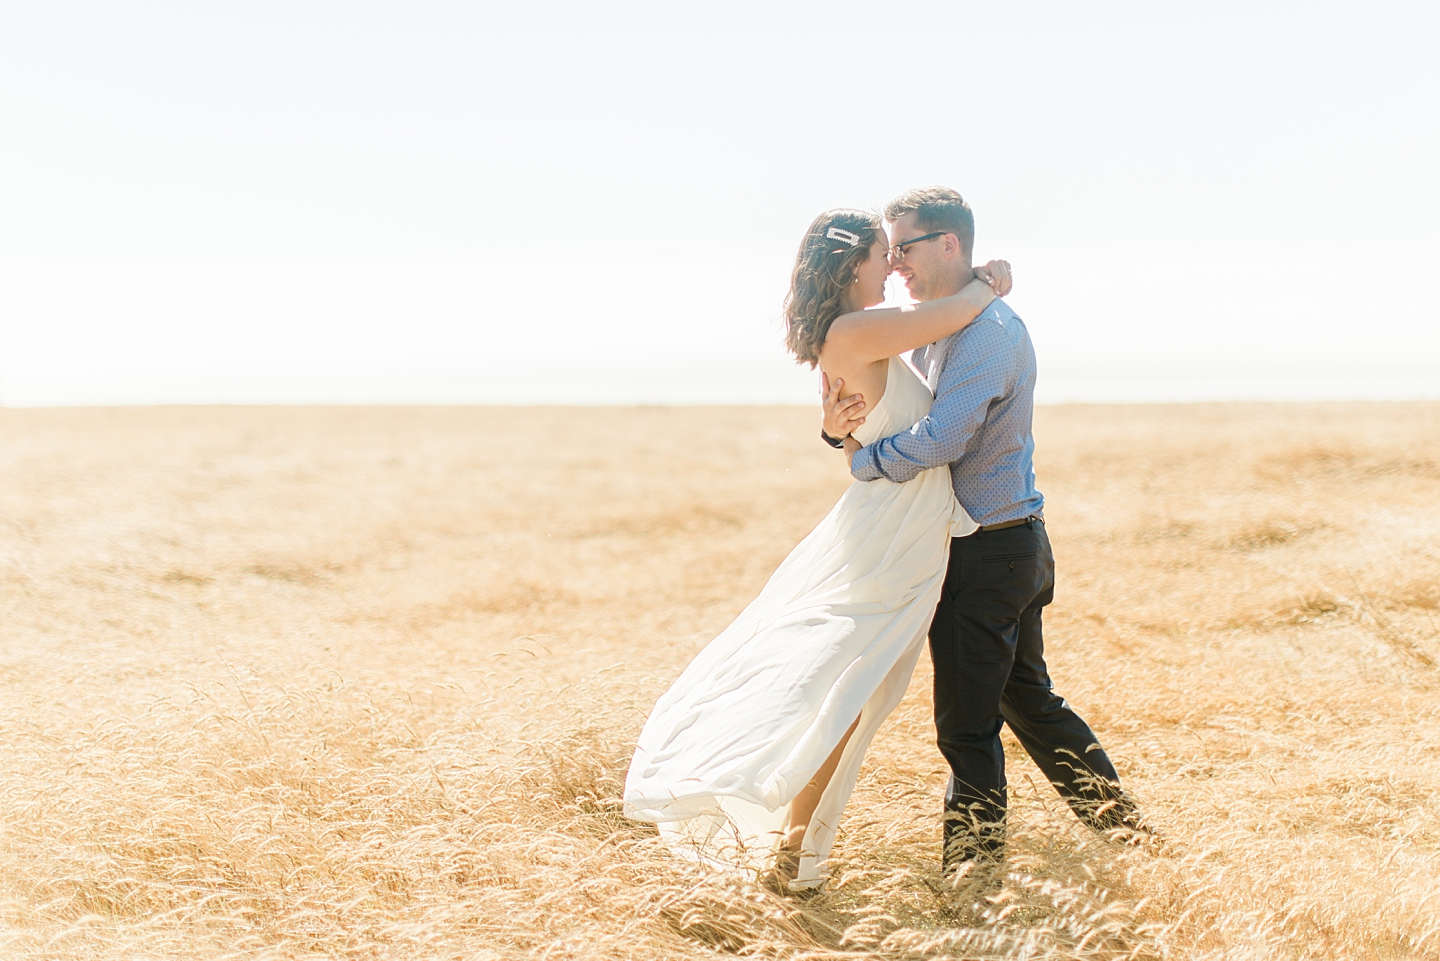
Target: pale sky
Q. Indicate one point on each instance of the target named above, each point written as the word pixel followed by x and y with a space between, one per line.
pixel 600 203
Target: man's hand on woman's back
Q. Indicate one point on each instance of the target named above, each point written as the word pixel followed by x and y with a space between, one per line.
pixel 842 415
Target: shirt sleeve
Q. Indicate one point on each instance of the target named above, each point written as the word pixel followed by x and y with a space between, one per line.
pixel 978 370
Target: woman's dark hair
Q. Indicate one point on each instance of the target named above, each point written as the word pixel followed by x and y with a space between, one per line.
pixel 824 267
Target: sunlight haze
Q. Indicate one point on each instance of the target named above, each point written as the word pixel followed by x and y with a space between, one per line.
pixel 567 203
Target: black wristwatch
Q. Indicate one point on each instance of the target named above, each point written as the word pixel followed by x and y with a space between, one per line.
pixel 837 444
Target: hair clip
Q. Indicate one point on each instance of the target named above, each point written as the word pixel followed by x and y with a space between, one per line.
pixel 835 233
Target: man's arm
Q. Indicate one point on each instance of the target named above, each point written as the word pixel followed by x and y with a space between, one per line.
pixel 979 368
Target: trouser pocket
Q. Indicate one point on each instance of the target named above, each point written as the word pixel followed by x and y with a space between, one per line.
pixel 1009 562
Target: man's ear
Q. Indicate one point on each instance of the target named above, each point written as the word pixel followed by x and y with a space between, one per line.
pixel 950 246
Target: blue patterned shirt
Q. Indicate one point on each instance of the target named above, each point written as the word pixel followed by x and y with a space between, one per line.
pixel 984 382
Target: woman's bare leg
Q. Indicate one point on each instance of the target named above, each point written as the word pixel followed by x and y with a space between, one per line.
pixel 802 809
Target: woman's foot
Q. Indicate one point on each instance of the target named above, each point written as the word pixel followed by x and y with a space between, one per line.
pixel 778 878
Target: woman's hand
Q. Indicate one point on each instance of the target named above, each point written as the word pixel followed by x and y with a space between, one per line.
pixel 996 273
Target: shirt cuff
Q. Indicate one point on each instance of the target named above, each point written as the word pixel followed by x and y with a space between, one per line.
pixel 863 466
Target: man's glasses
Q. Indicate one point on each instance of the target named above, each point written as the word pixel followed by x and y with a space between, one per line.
pixel 897 252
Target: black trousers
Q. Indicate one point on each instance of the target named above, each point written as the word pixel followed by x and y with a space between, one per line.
pixel 989 654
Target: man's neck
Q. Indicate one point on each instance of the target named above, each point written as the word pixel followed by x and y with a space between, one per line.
pixel 955 284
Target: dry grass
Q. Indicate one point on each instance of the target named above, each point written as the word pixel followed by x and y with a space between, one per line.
pixel 287 683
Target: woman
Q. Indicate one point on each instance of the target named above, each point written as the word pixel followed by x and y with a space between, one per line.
pixel 749 758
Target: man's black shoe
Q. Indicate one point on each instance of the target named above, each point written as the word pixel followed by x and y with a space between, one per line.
pixel 969 840
pixel 1121 821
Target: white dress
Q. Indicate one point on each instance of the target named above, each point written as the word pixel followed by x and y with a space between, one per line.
pixel 835 633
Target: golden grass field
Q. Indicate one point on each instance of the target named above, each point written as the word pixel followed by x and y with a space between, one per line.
pixel 316 682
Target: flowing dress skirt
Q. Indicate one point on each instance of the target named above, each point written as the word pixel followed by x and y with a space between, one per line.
pixel 834 635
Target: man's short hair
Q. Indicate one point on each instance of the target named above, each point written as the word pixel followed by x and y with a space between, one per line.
pixel 937 208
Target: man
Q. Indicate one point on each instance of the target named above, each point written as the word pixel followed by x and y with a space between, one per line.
pixel 985 638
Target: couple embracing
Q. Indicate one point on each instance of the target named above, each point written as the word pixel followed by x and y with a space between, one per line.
pixel 749 758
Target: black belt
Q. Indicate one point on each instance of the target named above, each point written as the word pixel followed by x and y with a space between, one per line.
pixel 1015 523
